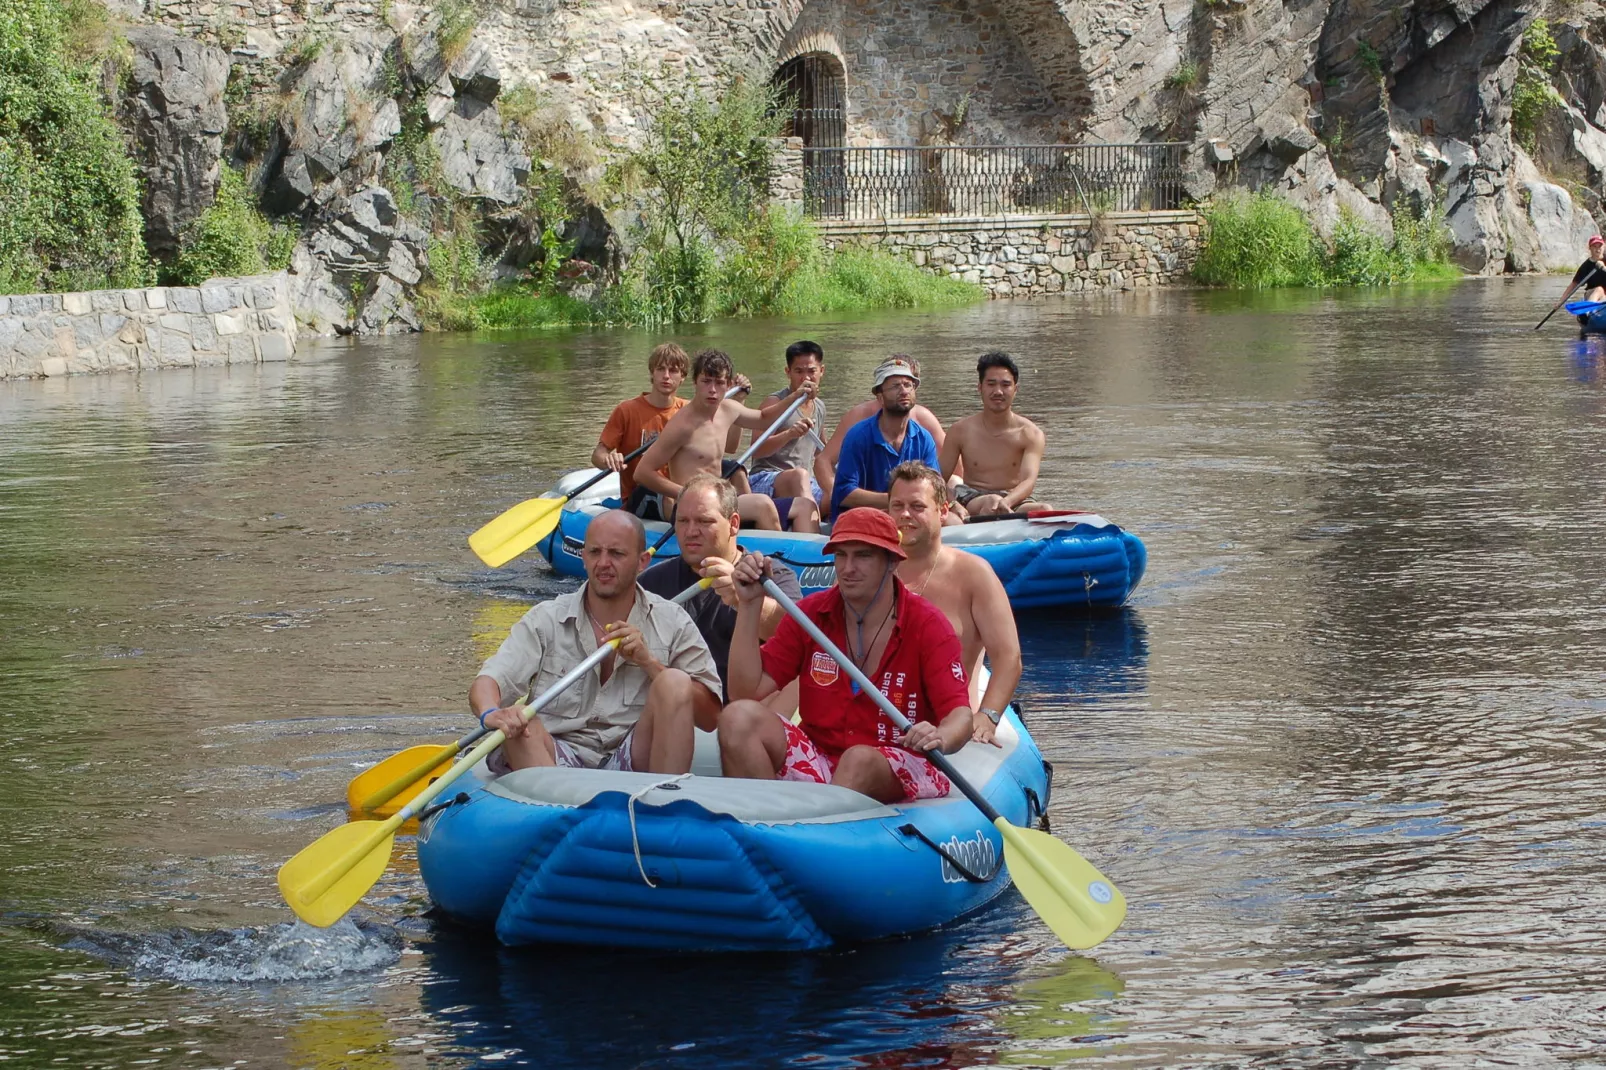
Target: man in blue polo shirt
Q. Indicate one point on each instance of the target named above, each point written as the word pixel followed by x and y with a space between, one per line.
pixel 874 447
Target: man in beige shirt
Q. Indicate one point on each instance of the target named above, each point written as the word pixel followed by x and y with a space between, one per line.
pixel 634 711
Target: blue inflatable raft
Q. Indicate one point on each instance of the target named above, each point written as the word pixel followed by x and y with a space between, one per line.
pixel 701 863
pixel 1076 560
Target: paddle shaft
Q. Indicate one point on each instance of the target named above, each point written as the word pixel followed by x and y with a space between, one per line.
pixel 774 427
pixel 1552 312
pixel 591 659
pixel 349 860
pixel 414 775
pixel 936 757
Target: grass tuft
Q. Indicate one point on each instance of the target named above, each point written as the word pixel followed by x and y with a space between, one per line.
pixel 1263 242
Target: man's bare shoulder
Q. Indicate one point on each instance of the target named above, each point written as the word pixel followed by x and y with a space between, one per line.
pixel 1029 429
pixel 964 427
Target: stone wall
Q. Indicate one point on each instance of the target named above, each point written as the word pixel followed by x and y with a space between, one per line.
pixel 1021 256
pixel 223 321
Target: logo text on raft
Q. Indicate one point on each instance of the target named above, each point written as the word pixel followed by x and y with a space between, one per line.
pixel 977 855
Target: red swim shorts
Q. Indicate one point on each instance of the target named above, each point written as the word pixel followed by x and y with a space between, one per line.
pixel 920 779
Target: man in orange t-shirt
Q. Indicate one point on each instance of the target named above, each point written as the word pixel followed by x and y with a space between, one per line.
pixel 636 422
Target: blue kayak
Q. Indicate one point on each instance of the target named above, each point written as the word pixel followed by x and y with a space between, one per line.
pixel 1076 560
pixel 1591 314
pixel 701 863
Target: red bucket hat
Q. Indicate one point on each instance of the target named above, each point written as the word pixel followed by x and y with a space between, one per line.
pixel 869 526
pixel 1596 240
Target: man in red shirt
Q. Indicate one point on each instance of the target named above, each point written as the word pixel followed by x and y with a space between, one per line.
pixel 904 644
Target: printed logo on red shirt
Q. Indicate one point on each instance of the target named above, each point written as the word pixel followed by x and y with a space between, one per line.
pixel 823 669
pixel 958 671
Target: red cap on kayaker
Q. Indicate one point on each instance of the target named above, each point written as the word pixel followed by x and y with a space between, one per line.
pixel 1596 240
pixel 870 526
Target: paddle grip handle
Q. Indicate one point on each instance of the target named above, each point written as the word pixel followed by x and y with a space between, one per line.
pixel 936 757
pixel 774 427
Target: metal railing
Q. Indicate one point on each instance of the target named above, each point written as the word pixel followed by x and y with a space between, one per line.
pixel 965 180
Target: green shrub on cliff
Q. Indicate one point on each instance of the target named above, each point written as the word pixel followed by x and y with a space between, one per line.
pixel 232 238
pixel 1262 241
pixel 1533 94
pixel 1256 243
pixel 706 242
pixel 69 194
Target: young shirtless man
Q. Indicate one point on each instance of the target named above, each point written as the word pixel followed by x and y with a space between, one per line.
pixel 962 585
pixel 693 441
pixel 858 414
pixel 1001 450
pixel 636 422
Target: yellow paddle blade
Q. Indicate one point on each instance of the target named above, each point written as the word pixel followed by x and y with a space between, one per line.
pixel 515 531
pixel 387 787
pixel 363 847
pixel 1077 901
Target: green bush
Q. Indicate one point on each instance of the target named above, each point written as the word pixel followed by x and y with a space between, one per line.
pixel 1258 242
pixel 706 243
pixel 1261 242
pixel 69 194
pixel 1533 94
pixel 855 279
pixel 231 238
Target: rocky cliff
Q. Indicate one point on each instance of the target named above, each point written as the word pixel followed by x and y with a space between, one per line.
pixel 376 125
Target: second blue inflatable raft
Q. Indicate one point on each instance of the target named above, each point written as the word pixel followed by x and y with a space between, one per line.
pixel 1080 560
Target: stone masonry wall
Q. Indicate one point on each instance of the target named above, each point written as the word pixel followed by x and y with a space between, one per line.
pixel 1020 256
pixel 223 321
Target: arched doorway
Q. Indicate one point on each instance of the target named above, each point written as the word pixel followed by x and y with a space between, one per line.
pixel 814 86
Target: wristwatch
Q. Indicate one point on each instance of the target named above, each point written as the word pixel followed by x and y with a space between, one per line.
pixel 991 714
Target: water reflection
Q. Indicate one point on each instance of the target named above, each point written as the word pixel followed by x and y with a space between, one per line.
pixel 922 1002
pixel 1082 658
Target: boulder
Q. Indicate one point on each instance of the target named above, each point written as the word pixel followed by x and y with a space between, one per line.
pixel 367 252
pixel 1561 228
pixel 338 117
pixel 172 107
pixel 475 72
pixel 1291 142
pixel 477 157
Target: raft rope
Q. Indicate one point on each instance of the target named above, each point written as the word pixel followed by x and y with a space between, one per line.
pixel 630 808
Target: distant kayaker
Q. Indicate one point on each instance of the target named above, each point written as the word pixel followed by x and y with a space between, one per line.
pixel 1590 276
pixel 790 466
pixel 634 711
pixel 706 522
pixel 1001 450
pixel 637 421
pixel 863 411
pixel 962 585
pixel 899 639
pixel 693 441
pixel 873 447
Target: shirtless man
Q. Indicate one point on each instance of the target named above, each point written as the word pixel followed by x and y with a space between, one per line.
pixel 1000 449
pixel 962 585
pixel 693 441
pixel 858 414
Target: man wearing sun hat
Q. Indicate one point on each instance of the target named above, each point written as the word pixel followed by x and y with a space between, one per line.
pixel 874 447
pixel 902 642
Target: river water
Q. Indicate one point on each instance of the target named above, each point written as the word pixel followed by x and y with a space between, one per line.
pixel 1343 753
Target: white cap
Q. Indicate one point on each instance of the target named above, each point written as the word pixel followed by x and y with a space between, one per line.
pixel 888 368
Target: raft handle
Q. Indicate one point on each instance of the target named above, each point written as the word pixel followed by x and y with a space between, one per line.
pixel 959 867
pixel 430 811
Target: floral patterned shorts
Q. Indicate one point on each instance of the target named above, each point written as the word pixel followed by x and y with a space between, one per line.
pixel 919 778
